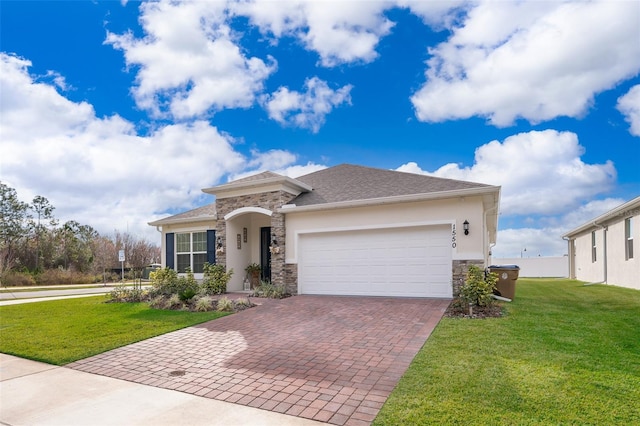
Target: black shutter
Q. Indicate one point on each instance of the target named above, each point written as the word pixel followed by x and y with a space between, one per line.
pixel 211 246
pixel 170 249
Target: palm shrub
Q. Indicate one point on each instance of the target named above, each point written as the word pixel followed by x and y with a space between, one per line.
pixel 187 286
pixel 204 304
pixel 215 279
pixel 478 287
pixel 225 304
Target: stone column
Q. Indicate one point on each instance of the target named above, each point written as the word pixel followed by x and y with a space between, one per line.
pixel 278 254
pixel 221 232
pixel 460 268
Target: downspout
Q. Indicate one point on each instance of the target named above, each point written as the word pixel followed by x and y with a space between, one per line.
pixel 485 236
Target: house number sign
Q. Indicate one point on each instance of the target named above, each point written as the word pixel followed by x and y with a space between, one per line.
pixel 453 236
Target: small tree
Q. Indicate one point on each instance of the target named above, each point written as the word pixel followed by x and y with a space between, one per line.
pixel 13 225
pixel 478 288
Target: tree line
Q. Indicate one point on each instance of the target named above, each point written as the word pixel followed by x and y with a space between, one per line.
pixel 33 241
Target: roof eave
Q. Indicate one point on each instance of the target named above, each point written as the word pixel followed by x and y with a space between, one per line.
pixel 234 186
pixel 169 221
pixel 622 211
pixel 292 208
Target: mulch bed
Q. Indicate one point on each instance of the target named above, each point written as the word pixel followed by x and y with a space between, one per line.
pixel 458 309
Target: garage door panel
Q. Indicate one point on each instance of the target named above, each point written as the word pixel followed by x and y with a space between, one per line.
pixel 412 262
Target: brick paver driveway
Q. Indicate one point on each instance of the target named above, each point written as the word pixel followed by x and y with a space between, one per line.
pixel 331 359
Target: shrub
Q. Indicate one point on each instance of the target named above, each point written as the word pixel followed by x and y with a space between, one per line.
pixel 215 279
pixel 187 284
pixel 158 302
pixel 16 279
pixel 63 276
pixel 127 294
pixel 187 294
pixel 174 302
pixel 478 288
pixel 164 281
pixel 243 302
pixel 225 304
pixel 204 304
pixel 271 291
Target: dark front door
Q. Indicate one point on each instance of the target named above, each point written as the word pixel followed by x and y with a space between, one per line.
pixel 265 254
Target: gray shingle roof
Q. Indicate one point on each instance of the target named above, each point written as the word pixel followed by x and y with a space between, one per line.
pixel 347 182
pixel 200 213
pixel 256 177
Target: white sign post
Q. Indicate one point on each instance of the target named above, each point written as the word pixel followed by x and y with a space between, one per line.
pixel 121 260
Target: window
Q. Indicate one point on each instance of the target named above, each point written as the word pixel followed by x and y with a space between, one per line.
pixel 593 246
pixel 191 251
pixel 628 239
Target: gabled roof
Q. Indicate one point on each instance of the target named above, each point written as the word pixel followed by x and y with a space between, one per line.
pixel 347 182
pixel 200 214
pixel 257 177
pixel 259 183
pixel 623 211
pixel 342 186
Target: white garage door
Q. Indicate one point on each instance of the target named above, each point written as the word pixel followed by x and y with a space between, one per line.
pixel 408 262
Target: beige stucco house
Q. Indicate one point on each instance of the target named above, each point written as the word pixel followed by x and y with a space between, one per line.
pixel 602 250
pixel 344 230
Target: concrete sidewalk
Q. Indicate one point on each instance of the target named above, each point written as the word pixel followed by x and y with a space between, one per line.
pixel 34 393
pixel 43 299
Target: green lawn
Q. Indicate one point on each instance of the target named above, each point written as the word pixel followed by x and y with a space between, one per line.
pixel 62 331
pixel 564 354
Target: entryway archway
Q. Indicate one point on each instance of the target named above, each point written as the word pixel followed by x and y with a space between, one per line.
pixel 248 233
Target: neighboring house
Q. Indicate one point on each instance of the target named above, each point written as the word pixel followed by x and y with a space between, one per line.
pixel 602 250
pixel 345 230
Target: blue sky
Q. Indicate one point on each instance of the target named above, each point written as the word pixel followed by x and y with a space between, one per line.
pixel 119 112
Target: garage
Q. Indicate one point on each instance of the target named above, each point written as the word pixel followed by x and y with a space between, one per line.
pixel 404 262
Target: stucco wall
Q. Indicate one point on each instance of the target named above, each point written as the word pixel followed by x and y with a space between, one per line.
pixel 585 268
pixel 454 211
pixel 186 227
pixel 619 270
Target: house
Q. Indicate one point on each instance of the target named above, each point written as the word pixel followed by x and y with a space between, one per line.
pixel 602 250
pixel 344 230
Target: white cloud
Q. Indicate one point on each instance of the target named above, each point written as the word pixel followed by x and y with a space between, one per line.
pixel 271 160
pixel 277 161
pixel 587 212
pixel 309 109
pixel 188 62
pixel 99 171
pixel 629 106
pixel 530 59
pixel 438 14
pixel 344 32
pixel 537 242
pixel 540 172
pixel 547 240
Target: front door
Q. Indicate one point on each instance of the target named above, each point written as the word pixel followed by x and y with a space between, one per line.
pixel 265 254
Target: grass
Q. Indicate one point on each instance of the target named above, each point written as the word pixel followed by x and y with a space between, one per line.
pixel 63 287
pixel 62 331
pixel 564 354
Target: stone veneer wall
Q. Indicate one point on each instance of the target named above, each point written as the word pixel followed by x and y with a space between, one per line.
pixel 460 268
pixel 291 277
pixel 267 200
